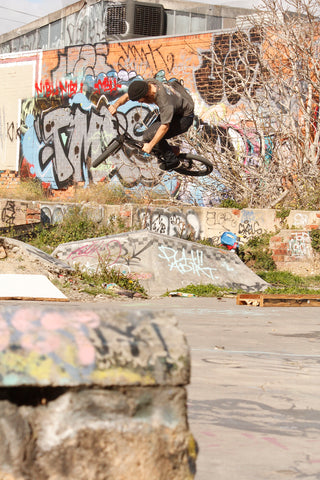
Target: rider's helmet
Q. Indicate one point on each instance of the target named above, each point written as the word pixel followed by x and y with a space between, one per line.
pixel 137 89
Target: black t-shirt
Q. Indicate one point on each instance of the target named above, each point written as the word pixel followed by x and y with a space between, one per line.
pixel 172 99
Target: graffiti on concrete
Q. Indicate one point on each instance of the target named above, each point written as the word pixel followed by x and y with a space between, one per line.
pixel 8 213
pixel 300 219
pixel 114 253
pixel 191 263
pixel 43 347
pixel 299 245
pixel 224 219
pixel 175 224
pixel 132 340
pixel 249 229
pixel 8 130
pixel 60 143
pixel 52 214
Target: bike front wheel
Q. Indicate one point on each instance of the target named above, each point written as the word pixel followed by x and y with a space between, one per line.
pixel 113 147
pixel 193 165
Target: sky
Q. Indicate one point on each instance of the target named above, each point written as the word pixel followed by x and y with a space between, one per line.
pixel 15 14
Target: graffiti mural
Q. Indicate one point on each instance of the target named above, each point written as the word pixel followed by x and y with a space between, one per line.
pixel 59 144
pixel 64 124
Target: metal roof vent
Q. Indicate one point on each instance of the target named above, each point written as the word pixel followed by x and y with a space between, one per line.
pixel 135 19
pixel 148 19
pixel 116 20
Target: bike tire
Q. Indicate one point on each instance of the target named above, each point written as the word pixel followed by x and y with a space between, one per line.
pixel 113 147
pixel 198 166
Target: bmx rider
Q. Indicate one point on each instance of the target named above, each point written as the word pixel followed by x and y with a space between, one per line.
pixel 176 111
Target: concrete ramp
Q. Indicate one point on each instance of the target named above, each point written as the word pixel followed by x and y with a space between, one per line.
pixel 161 263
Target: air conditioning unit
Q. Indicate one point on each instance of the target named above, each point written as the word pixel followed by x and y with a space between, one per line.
pixel 134 19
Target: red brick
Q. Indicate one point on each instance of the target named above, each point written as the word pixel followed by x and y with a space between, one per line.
pixel 280 251
pixel 126 213
pixel 278 258
pixel 276 239
pixel 32 211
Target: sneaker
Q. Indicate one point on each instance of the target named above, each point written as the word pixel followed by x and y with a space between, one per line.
pixel 169 164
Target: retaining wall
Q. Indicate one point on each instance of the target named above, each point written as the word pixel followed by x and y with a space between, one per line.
pixel 192 222
pixel 177 221
pixel 188 222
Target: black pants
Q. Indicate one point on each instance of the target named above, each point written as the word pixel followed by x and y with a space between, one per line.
pixel 177 126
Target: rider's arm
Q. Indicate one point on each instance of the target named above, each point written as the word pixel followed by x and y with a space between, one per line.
pixel 160 133
pixel 121 101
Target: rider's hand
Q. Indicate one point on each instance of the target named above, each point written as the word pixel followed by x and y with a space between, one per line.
pixel 112 109
pixel 147 148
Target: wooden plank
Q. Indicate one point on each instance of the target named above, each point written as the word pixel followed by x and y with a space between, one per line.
pixel 248 299
pixel 278 300
pixel 42 299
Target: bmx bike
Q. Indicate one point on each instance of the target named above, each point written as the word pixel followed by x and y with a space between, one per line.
pixel 190 164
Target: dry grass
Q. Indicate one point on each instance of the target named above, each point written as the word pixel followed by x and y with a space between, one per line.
pixel 26 190
pixel 100 193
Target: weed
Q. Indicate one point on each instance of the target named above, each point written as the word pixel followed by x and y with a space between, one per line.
pixel 286 282
pixel 230 203
pixel 257 254
pixel 208 290
pixel 76 225
pixel 104 275
pixel 315 239
pixel 101 193
pixel 283 213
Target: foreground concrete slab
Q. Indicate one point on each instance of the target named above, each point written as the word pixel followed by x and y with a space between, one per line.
pixel 161 263
pixel 93 394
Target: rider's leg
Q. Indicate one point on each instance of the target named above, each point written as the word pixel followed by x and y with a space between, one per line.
pixel 163 149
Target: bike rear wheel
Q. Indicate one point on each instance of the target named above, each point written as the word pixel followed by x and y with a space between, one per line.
pixel 193 165
pixel 113 147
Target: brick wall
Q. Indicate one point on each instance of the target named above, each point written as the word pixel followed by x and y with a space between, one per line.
pixel 9 179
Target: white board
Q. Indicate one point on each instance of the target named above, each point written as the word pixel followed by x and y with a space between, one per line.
pixel 29 287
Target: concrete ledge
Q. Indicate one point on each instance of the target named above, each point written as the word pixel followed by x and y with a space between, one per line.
pixel 45 346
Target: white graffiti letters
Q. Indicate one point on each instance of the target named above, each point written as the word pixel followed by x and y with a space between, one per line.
pixel 184 264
